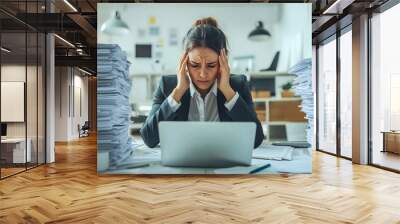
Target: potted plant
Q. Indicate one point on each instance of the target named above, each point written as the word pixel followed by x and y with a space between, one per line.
pixel 286 90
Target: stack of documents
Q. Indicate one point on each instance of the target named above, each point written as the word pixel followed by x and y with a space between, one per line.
pixel 113 109
pixel 302 86
pixel 271 152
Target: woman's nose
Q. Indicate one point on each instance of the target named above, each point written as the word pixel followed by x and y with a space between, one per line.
pixel 203 72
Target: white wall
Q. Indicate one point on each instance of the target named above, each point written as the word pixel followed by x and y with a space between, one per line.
pixel 80 83
pixel 68 82
pixel 296 35
pixel 13 73
pixel 284 21
pixel 61 103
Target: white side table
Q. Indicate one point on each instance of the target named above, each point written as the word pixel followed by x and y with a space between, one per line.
pixel 19 149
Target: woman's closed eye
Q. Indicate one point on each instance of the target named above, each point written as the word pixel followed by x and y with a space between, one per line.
pixel 198 66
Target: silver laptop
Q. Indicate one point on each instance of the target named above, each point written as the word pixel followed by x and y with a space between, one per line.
pixel 206 144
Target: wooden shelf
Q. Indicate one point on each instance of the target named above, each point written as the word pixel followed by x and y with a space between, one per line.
pixel 284 122
pixel 267 74
pixel 275 99
pixel 266 110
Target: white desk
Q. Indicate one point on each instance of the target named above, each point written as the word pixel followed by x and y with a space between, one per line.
pixel 301 163
pixel 18 149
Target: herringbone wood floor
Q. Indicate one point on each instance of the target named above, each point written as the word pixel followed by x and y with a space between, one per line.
pixel 70 191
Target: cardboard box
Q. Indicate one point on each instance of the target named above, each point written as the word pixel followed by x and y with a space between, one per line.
pixel 263 94
pixel 261 115
pixel 392 142
pixel 286 111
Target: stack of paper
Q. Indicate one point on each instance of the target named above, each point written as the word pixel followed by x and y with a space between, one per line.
pixel 302 86
pixel 271 152
pixel 113 109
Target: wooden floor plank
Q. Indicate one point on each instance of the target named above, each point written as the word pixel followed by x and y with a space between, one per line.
pixel 70 191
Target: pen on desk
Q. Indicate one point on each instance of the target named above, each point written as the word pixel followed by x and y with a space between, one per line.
pixel 256 170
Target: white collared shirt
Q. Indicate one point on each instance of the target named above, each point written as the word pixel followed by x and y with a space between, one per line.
pixel 203 109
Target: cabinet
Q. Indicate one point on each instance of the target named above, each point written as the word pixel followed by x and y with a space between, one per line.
pixel 280 116
pixel 391 142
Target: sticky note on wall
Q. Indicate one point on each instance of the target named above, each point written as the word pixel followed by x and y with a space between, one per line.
pixel 152 20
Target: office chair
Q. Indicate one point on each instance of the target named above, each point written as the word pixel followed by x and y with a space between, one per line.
pixel 84 130
pixel 274 63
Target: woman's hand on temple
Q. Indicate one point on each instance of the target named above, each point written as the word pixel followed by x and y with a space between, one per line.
pixel 224 72
pixel 183 78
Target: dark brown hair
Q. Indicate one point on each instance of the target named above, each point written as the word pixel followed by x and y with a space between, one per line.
pixel 205 33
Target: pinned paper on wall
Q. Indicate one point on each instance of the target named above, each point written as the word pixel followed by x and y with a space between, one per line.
pixel 173 37
pixel 158 54
pixel 141 33
pixel 152 20
pixel 154 31
pixel 160 43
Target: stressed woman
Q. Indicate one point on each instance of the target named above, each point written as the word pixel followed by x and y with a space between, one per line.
pixel 203 89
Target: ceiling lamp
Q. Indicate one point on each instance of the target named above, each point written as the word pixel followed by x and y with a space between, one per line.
pixel 259 33
pixel 115 25
pixel 5 50
pixel 65 41
pixel 70 5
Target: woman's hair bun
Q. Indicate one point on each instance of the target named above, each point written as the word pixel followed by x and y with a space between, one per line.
pixel 205 33
pixel 206 21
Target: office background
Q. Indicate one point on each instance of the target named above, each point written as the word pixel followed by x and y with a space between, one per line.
pixel 154 45
pixel 339 99
pixel 72 178
pixel 150 38
pixel 22 77
pixel 44 95
pixel 164 26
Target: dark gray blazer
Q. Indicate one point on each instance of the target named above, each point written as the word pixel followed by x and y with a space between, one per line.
pixel 161 111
